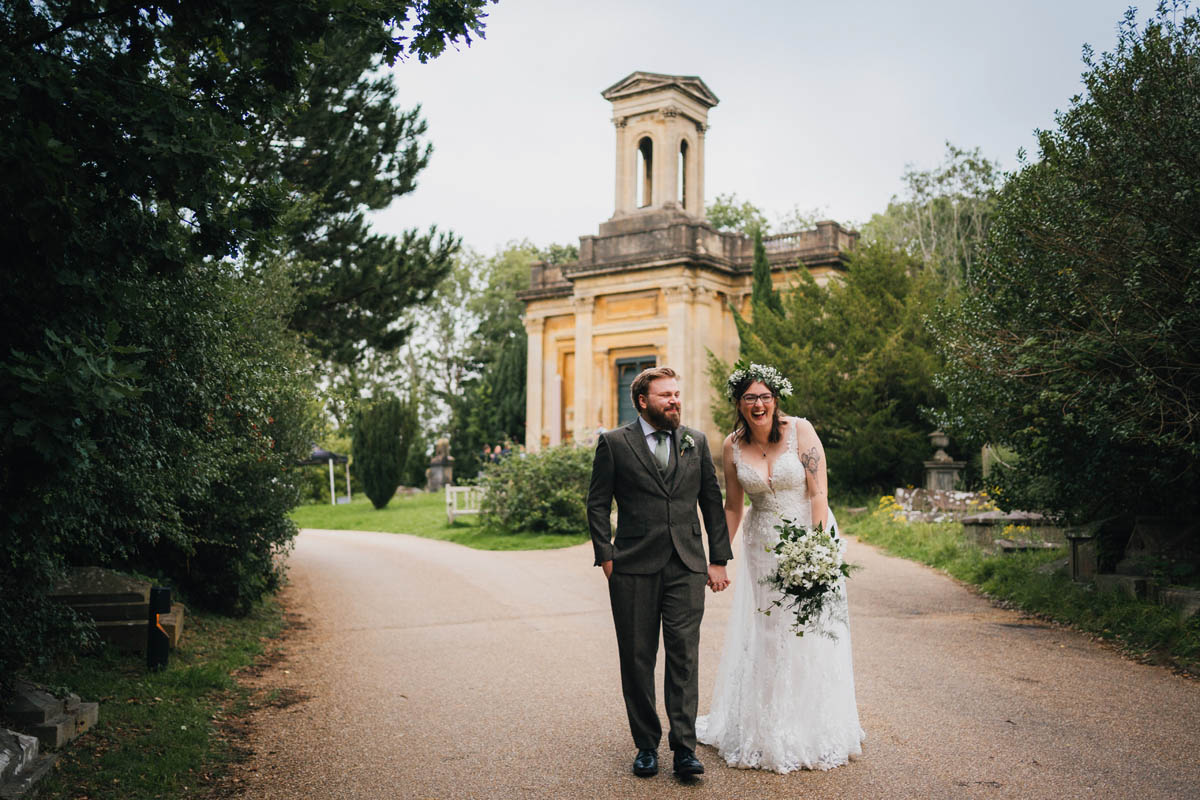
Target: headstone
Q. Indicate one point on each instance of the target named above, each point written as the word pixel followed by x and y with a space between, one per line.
pixel 21 764
pixel 1159 539
pixel 1186 600
pixel 54 721
pixel 441 466
pixel 1014 526
pixel 117 603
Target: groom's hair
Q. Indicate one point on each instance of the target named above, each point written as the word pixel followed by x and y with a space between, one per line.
pixel 641 384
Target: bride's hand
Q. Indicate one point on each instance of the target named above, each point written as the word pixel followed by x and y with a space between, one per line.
pixel 718 579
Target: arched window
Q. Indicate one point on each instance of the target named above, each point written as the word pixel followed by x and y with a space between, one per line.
pixel 682 173
pixel 645 167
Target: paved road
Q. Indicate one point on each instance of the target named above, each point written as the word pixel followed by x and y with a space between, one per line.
pixel 428 670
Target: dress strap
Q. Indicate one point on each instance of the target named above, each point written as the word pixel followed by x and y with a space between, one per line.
pixel 793 436
pixel 737 451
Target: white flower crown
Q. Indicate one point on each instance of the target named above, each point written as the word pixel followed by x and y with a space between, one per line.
pixel 772 377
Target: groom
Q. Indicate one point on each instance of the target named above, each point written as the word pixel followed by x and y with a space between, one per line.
pixel 656 567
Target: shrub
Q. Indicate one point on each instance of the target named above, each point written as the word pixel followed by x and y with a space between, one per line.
pixel 544 492
pixel 383 434
pixel 1077 345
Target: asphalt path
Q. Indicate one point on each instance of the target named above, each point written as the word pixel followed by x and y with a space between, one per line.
pixel 424 669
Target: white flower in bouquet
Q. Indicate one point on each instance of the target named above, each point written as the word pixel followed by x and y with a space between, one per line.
pixel 808 574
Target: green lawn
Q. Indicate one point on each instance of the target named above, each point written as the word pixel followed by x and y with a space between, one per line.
pixel 424 514
pixel 1144 629
pixel 160 734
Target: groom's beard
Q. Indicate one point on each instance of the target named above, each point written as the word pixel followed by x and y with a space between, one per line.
pixel 663 420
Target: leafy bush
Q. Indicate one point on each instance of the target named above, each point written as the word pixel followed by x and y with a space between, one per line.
pixel 543 492
pixel 383 434
pixel 1078 345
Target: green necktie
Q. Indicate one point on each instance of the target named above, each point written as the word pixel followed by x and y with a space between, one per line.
pixel 662 450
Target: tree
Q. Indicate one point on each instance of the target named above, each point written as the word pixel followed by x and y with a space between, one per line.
pixel 476 348
pixel 1077 346
pixel 151 400
pixel 944 218
pixel 861 361
pixel 343 150
pixel 383 433
pixel 727 214
pixel 763 293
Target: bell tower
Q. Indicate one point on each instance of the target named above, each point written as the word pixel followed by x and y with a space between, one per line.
pixel 660 123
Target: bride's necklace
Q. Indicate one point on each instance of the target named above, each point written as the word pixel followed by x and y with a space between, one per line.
pixel 766 464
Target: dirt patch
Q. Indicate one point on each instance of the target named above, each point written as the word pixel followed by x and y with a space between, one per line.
pixel 236 725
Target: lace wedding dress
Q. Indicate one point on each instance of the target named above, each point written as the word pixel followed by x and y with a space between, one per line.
pixel 781 702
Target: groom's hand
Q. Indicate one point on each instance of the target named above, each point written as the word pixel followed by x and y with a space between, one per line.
pixel 718 579
pixel 607 567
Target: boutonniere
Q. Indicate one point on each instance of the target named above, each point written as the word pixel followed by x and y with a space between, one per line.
pixel 687 443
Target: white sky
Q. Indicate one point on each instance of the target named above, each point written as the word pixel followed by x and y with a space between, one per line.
pixel 822 104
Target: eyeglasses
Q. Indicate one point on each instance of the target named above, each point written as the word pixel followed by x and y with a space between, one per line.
pixel 751 399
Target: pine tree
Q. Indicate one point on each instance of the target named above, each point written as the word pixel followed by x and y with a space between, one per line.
pixel 349 151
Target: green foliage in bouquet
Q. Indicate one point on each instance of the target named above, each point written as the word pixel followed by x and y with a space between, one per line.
pixel 383 434
pixel 544 492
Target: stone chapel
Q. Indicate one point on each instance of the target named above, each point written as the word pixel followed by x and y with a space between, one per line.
pixel 656 284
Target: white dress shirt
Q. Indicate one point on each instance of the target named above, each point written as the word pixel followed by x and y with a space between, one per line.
pixel 649 431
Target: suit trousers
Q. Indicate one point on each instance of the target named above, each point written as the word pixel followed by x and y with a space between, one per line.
pixel 673 597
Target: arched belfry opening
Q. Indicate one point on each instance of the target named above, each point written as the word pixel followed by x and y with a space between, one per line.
pixel 653 111
pixel 656 284
pixel 645 172
pixel 681 171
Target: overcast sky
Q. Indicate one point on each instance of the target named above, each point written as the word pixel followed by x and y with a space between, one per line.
pixel 822 104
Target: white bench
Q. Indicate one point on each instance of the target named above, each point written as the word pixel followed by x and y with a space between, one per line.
pixel 461 500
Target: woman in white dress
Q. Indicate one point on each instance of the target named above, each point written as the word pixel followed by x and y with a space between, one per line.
pixel 781 702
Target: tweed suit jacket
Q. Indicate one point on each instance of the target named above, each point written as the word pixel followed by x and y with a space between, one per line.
pixel 656 512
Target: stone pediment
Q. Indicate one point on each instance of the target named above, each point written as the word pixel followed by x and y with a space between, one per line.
pixel 638 83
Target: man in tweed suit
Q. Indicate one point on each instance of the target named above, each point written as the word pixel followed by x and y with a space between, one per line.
pixel 656 567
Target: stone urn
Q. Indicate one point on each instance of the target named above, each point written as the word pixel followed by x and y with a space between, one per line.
pixel 941 471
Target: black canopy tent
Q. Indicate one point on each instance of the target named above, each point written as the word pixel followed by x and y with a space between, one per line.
pixel 320 455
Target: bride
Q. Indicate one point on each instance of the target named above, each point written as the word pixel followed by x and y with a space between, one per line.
pixel 781 702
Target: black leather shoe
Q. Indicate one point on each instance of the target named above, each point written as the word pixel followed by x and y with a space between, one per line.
pixel 686 763
pixel 646 763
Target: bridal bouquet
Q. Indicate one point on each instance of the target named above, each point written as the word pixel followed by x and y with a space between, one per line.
pixel 810 566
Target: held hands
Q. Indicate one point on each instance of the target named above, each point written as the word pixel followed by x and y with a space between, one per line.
pixel 718 580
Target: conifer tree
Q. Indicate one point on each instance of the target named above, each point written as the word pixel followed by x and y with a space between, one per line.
pixel 382 437
pixel 345 150
pixel 763 294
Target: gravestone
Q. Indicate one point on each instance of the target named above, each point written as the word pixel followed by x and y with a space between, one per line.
pixel 441 466
pixel 1159 538
pixel 21 764
pixel 118 604
pixel 941 471
pixel 54 721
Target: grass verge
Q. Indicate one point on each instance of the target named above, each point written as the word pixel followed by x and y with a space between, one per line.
pixel 159 734
pixel 1146 630
pixel 424 514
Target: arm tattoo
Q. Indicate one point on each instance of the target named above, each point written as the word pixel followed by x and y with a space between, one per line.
pixel 810 460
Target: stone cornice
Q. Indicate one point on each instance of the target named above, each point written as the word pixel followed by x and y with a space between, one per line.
pixel 637 83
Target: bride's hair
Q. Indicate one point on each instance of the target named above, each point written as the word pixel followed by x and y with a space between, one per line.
pixel 741 429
